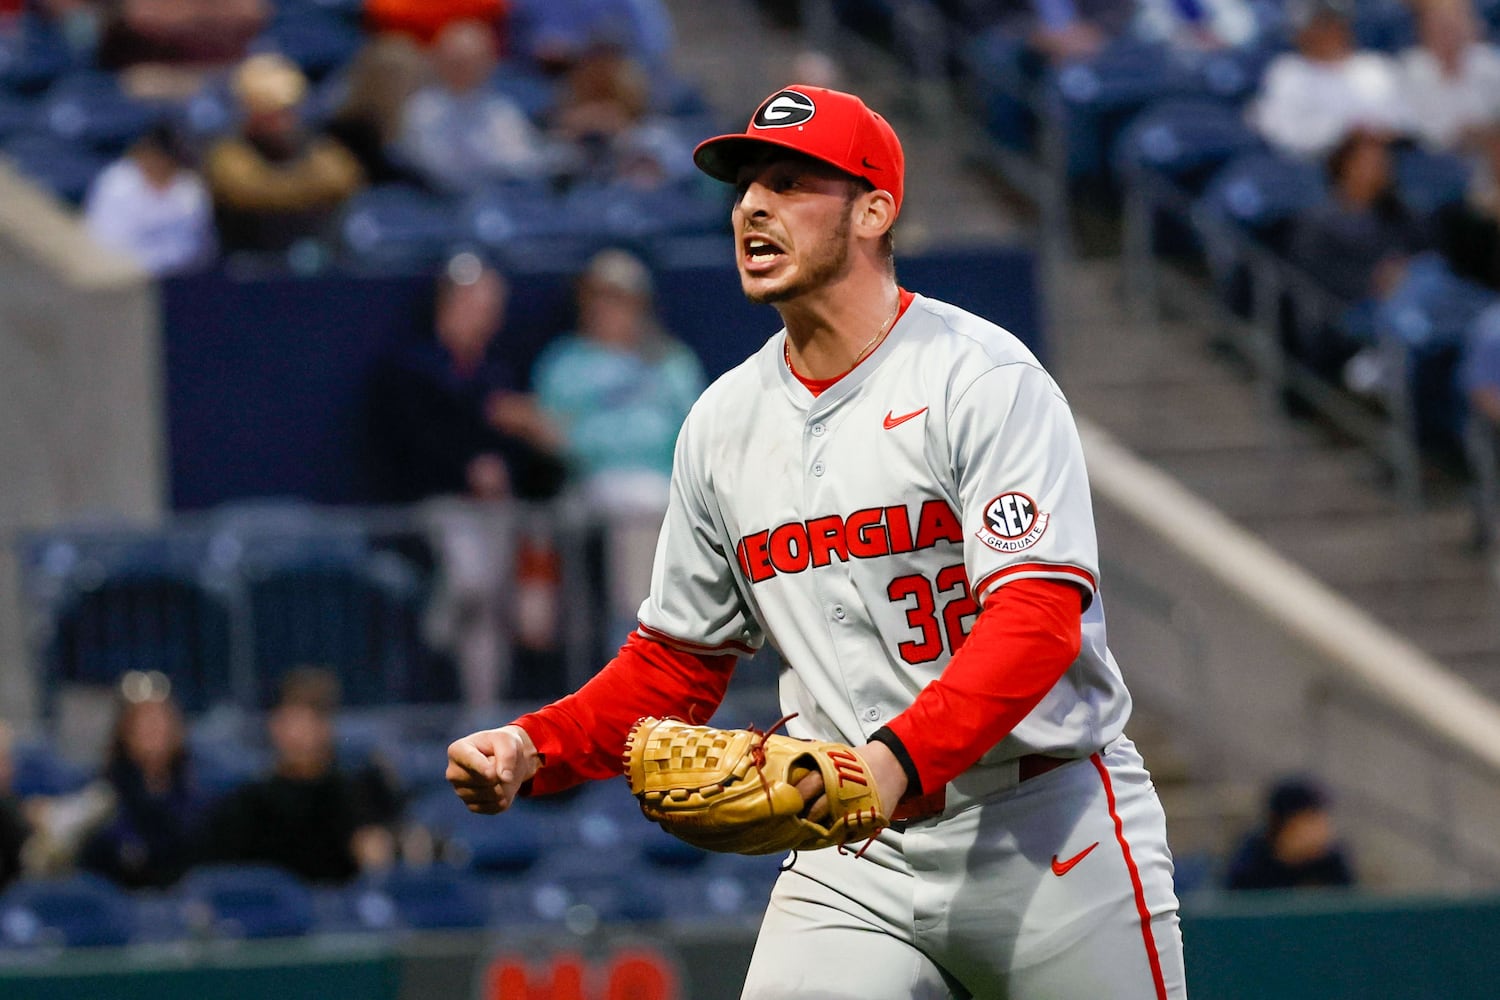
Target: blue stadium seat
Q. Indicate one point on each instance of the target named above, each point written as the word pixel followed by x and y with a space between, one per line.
pixel 34 56
pixel 1184 139
pixel 1257 193
pixel 41 770
pixel 1097 97
pixel 246 901
pixel 1234 74
pixel 583 894
pixel 400 227
pixel 482 843
pixel 142 614
pixel 1385 25
pixel 90 109
pixel 1000 76
pixel 80 910
pixel 19 115
pixel 64 168
pixel 358 614
pixel 435 897
pixel 1427 181
pixel 1252 198
pixel 317 41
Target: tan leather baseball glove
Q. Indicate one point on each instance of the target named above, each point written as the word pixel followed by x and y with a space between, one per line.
pixel 733 790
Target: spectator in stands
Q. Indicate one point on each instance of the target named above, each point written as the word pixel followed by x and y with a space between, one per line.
pixel 1356 246
pixel 605 116
pixel 377 84
pixel 152 206
pixel 14 826
pixel 167 48
pixel 1311 98
pixel 448 414
pixel 276 184
pixel 1469 231
pixel 449 420
pixel 424 20
pixel 309 815
pixel 619 388
pixel 463 133
pixel 1296 847
pixel 155 831
pixel 1451 81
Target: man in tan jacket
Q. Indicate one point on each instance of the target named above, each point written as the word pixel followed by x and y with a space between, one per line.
pixel 274 184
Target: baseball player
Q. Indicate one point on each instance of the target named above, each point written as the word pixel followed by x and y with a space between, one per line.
pixel 892 492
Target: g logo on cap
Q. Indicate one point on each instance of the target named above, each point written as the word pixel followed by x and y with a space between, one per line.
pixel 784 109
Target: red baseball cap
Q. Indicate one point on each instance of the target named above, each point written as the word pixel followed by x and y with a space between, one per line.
pixel 828 125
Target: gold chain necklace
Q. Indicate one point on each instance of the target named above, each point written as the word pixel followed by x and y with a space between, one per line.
pixel 885 328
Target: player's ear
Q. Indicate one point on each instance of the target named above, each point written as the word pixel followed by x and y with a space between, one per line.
pixel 875 212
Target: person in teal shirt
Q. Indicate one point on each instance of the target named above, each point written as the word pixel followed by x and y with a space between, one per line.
pixel 618 389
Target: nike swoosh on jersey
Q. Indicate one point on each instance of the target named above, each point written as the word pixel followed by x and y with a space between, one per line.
pixel 891 420
pixel 1061 868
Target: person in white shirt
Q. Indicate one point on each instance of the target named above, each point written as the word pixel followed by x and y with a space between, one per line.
pixel 1313 97
pixel 463 132
pixel 150 205
pixel 1451 81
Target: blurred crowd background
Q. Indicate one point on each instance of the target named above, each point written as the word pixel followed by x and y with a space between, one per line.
pixel 269 681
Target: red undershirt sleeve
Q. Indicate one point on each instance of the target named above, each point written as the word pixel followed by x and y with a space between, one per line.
pixel 582 736
pixel 1024 640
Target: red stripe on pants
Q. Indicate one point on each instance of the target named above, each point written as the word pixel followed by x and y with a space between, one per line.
pixel 1135 880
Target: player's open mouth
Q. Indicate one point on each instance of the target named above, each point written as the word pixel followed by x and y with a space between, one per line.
pixel 761 253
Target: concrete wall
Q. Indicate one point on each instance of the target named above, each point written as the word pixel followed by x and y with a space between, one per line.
pixel 80 391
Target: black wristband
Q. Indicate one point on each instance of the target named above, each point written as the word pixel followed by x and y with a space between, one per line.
pixel 892 741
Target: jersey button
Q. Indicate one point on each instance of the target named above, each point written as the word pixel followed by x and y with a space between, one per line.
pixel 872 714
pixel 839 612
pixel 817 468
pixel 818 430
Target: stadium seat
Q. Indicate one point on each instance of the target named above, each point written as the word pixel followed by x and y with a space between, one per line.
pixel 90 109
pixel 435 897
pixel 19 115
pixel 1249 203
pixel 1385 25
pixel 246 901
pixel 399 227
pixel 33 56
pixel 1234 74
pixel 1098 96
pixel 478 843
pixel 581 892
pixel 358 614
pixel 1427 181
pixel 58 165
pixel 143 613
pixel 317 41
pixel 41 770
pixel 80 910
pixel 1184 140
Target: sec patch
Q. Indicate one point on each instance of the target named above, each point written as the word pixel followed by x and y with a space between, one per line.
pixel 1012 523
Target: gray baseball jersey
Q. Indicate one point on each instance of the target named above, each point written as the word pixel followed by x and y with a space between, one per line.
pixel 858 530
